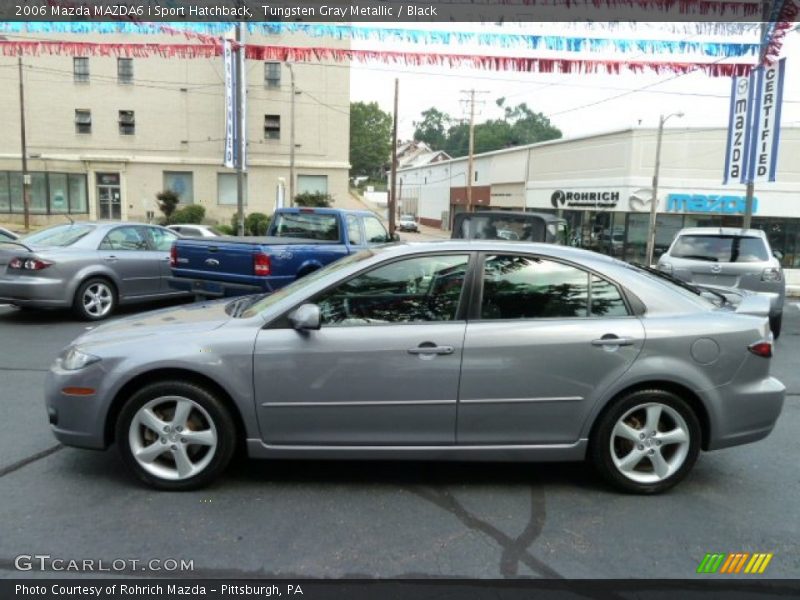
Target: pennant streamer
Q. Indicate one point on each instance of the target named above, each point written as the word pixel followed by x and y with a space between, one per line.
pixel 312 54
pixel 206 31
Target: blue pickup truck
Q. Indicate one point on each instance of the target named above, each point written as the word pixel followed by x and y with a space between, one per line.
pixel 299 241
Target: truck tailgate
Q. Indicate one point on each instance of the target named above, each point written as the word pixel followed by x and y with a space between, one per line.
pixel 223 259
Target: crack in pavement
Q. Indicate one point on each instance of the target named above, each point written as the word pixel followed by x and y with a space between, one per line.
pixel 515 550
pixel 31 459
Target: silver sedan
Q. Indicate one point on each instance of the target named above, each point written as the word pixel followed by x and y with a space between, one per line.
pixel 90 267
pixel 451 350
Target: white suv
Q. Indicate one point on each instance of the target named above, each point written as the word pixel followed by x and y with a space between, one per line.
pixel 728 257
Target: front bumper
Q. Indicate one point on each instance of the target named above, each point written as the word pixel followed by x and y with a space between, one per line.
pixel 33 291
pixel 77 420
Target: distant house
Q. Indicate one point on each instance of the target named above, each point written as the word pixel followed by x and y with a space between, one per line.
pixel 416 154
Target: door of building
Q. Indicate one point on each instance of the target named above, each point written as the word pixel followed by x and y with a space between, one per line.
pixel 109 196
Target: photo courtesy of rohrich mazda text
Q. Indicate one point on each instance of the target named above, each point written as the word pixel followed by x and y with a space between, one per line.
pixel 399 299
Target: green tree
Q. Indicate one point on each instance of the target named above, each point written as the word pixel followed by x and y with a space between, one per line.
pixel 433 128
pixel 370 139
pixel 313 199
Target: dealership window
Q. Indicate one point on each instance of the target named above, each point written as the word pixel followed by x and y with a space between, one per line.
pixel 413 290
pixel 226 189
pixel 127 122
pixel 272 127
pixel 80 69
pixel 50 193
pixel 182 183
pixel 125 70
pixel 272 74
pixel 83 120
pixel 312 184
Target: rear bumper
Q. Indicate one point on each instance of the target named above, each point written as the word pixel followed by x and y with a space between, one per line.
pixel 33 291
pixel 746 413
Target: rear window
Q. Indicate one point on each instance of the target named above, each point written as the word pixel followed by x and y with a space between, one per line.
pixel 497 227
pixel 59 236
pixel 720 248
pixel 308 226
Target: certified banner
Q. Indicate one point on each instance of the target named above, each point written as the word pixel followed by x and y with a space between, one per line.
pixel 230 105
pixel 763 153
pixel 738 127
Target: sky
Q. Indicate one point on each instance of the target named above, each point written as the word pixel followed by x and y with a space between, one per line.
pixel 578 104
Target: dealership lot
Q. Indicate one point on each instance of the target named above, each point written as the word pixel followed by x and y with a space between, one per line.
pixel 385 519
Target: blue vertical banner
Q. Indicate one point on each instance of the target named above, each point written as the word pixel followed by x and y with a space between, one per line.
pixel 241 119
pixel 230 105
pixel 738 125
pixel 765 136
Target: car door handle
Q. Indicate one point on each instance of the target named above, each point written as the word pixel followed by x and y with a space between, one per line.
pixel 432 350
pixel 165 258
pixel 613 341
pixel 110 259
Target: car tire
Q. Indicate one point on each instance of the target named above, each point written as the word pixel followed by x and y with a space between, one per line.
pixel 649 464
pixel 95 300
pixel 775 324
pixel 204 419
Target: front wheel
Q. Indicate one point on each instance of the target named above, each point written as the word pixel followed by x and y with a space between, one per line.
pixel 175 435
pixel 646 442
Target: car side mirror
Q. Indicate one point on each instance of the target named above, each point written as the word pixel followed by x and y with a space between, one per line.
pixel 777 254
pixel 306 318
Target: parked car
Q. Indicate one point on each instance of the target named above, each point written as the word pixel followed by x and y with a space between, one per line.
pixel 510 226
pixel 408 223
pixel 6 234
pixel 728 257
pixel 299 241
pixel 204 231
pixel 91 267
pixel 450 350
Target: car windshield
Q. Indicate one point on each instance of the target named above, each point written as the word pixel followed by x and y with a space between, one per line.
pixel 263 302
pixel 720 248
pixel 407 217
pixel 58 236
pixel 310 226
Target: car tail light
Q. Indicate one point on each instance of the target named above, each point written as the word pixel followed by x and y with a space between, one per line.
pixel 762 349
pixel 261 265
pixel 173 256
pixel 771 274
pixel 29 264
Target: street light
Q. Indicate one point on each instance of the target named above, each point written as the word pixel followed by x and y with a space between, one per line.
pixel 651 236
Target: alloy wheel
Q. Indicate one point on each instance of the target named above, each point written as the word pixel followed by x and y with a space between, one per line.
pixel 173 438
pixel 650 443
pixel 97 300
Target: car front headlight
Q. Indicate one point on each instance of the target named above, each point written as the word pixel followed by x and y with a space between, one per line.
pixel 73 359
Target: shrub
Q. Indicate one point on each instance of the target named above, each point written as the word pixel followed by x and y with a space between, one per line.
pixel 254 224
pixel 314 199
pixel 167 202
pixel 193 213
pixel 225 229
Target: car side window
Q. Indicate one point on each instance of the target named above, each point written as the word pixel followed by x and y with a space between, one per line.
pixel 161 239
pixel 528 287
pixel 354 231
pixel 124 238
pixel 420 289
pixel 376 232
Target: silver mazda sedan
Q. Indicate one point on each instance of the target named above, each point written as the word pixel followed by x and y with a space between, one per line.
pixel 90 267
pixel 451 350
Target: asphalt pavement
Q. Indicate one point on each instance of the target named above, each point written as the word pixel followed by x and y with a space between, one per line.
pixel 383 519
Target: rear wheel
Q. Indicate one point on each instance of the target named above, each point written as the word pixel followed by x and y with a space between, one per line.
pixel 646 442
pixel 175 435
pixel 775 324
pixel 96 299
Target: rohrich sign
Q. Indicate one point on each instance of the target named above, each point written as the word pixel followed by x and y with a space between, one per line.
pixel 708 203
pixel 595 199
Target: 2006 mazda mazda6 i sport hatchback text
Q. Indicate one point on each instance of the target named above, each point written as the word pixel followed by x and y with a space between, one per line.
pixel 448 350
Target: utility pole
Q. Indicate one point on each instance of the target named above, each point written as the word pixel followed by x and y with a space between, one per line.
pixel 241 124
pixel 26 178
pixel 762 55
pixel 291 137
pixel 393 184
pixel 651 232
pixel 471 161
